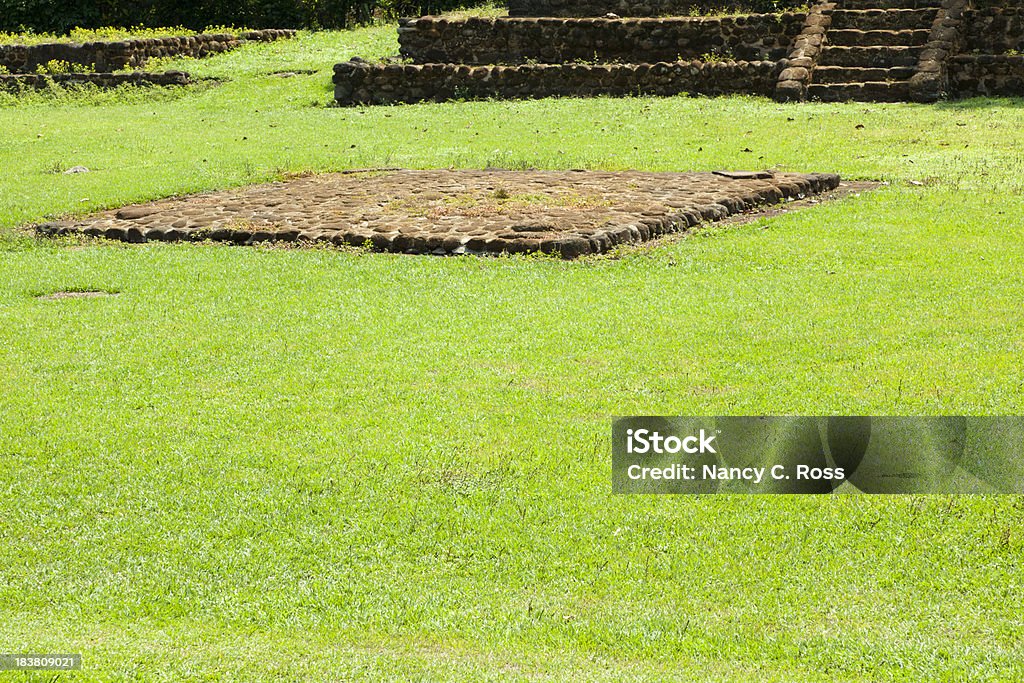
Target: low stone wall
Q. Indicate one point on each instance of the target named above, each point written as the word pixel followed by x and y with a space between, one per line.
pixel 482 40
pixel 995 30
pixel 364 83
pixel 986 75
pixel 971 50
pixel 125 54
pixel 103 80
pixel 643 8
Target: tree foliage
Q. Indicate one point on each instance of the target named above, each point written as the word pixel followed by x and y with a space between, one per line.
pixel 58 16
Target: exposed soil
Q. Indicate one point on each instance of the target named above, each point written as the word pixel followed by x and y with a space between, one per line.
pixel 57 296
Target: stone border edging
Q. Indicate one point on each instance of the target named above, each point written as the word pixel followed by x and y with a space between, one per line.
pixel 417 211
pixel 365 83
pixel 102 80
pixel 115 55
pixel 931 82
pixel 799 66
pixel 635 8
pixel 549 40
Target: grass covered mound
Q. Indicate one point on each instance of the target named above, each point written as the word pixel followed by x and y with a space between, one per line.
pixel 267 464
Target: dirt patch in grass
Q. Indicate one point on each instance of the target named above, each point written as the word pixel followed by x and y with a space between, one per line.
pixel 845 189
pixel 75 294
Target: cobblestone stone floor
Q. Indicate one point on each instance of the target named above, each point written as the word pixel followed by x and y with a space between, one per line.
pixel 569 213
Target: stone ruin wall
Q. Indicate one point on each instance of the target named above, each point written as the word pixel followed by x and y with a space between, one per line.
pixel 480 58
pixel 644 8
pixel 562 53
pixel 482 40
pixel 994 31
pixel 127 54
pixel 102 80
pixel 362 83
pixel 991 62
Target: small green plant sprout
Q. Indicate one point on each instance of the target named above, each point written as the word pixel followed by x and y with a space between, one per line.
pixel 59 66
pixel 716 56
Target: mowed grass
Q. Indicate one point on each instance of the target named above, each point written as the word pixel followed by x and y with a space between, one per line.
pixel 280 464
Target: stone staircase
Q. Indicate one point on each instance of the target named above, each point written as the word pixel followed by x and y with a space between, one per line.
pixel 872 50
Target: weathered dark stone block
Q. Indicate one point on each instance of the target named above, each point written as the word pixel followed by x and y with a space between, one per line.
pixel 485 40
pixel 362 83
pixel 640 8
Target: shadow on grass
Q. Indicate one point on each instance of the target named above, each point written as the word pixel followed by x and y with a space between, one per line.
pixel 982 103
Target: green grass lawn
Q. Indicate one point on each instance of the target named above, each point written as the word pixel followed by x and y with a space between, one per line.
pixel 287 464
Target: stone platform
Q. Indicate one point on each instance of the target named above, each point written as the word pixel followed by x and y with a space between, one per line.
pixel 568 213
pixel 826 50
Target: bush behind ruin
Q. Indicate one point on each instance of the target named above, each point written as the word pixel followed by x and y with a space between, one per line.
pixel 59 16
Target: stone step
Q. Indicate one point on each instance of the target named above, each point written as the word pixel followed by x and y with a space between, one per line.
pixel 876 57
pixel 848 74
pixel 366 83
pixel 853 37
pixel 883 20
pixel 888 4
pixel 872 91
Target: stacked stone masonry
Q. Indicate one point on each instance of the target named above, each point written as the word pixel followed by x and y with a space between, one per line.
pixel 644 8
pixel 987 75
pixel 103 80
pixel 989 62
pixel 361 83
pixel 127 54
pixel 795 76
pixel 550 40
pixel 568 213
pixel 873 50
pixel 930 81
pixel 994 31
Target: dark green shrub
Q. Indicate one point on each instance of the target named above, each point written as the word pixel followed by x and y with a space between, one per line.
pixel 58 16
